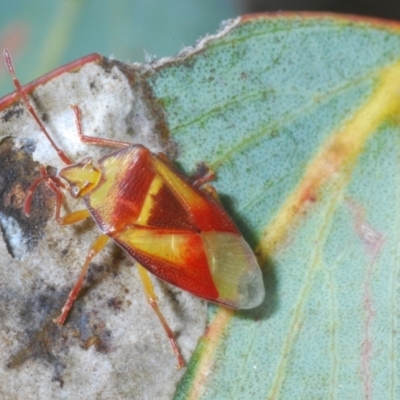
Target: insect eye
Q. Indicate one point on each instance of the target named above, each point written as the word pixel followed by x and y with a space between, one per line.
pixel 74 190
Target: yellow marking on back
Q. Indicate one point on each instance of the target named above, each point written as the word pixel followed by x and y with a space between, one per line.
pixel 154 188
pixel 170 247
pixel 182 190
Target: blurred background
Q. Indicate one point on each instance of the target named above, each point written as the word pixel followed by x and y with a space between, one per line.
pixel 44 34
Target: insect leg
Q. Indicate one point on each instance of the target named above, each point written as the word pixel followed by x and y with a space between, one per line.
pixel 93 139
pixel 54 184
pixel 202 178
pixel 211 191
pixel 207 175
pixel 96 247
pixel 71 218
pixel 74 217
pixel 152 299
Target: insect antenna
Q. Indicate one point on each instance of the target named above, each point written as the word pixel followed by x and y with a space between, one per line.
pixel 8 61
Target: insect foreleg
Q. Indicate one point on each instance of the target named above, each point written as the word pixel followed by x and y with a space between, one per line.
pixel 96 247
pixel 54 184
pixel 152 299
pixel 74 217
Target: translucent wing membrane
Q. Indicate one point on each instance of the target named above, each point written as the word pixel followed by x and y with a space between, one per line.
pixel 234 270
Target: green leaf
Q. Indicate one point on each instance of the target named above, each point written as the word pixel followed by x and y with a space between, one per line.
pixel 298 116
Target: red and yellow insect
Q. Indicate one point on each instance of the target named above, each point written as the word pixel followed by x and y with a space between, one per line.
pixel 173 227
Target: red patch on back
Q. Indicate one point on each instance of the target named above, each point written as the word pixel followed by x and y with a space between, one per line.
pixel 168 212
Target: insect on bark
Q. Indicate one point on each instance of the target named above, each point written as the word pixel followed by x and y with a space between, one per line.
pixel 172 226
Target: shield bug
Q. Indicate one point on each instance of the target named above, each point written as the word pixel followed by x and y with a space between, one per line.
pixel 174 227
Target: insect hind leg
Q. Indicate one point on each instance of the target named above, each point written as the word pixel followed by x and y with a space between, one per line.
pixel 152 299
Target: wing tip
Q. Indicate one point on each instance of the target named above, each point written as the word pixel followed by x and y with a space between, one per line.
pixel 252 290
